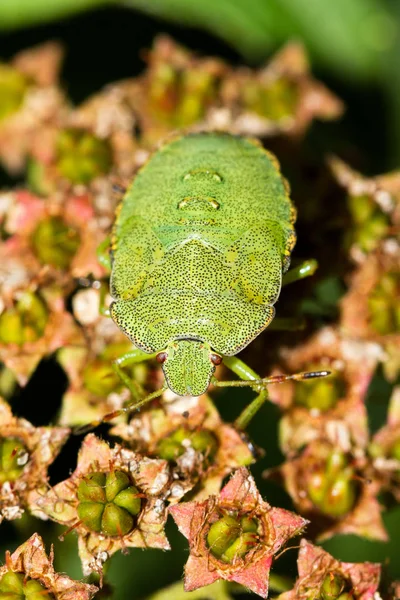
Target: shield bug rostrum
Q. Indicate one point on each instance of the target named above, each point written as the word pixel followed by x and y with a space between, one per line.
pixel 200 244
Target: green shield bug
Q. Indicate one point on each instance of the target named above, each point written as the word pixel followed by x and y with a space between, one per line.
pixel 201 241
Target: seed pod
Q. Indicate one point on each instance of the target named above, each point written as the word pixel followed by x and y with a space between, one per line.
pixel 100 378
pixel 240 547
pixel 92 488
pixel 13 86
pixel 11 450
pixel 81 156
pixel 116 520
pixel 332 586
pixel 222 534
pixel 55 243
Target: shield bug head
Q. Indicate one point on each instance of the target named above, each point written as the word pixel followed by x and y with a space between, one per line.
pixel 188 366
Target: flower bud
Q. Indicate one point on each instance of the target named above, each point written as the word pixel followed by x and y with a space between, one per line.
pixel 108 503
pixel 13 86
pixel 13 458
pixel 81 156
pixel 55 243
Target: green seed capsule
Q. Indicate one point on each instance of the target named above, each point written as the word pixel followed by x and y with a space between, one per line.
pixel 222 534
pixel 395 450
pixel 346 596
pixel 92 488
pixel 320 394
pixel 108 503
pixel 340 497
pixel 249 525
pixel 316 487
pixel 384 305
pixel 13 86
pixel 169 449
pixel 55 243
pixel 91 513
pixel 275 101
pixel 240 547
pixel 332 586
pixel 13 457
pixel 370 223
pixel 81 156
pixel 116 520
pixel 11 331
pixel 16 586
pixel 204 441
pixel 116 481
pixel 129 500
pixel 100 378
pixel 25 322
pixel 11 583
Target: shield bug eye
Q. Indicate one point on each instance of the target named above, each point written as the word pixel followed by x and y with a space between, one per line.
pixel 161 357
pixel 216 359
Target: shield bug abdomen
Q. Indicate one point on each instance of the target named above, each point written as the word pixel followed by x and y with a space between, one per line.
pixel 199 246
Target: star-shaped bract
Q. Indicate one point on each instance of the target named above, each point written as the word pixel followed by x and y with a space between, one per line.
pixel 150 479
pixel 30 562
pixel 265 529
pixel 26 453
pixel 316 566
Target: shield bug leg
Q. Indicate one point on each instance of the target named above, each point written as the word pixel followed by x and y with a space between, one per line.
pixel 248 378
pixel 246 373
pixel 130 358
pixel 133 357
pixel 304 269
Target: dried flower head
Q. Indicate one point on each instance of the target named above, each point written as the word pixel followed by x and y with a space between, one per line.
pixel 374 206
pixel 30 99
pixel 385 448
pixel 330 486
pixel 189 433
pixel 280 98
pixel 113 500
pixel 234 536
pixel 25 454
pixel 331 407
pixel 29 573
pixel 322 577
pixel 370 310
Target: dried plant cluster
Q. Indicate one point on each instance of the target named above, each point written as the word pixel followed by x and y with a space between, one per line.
pixel 174 455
